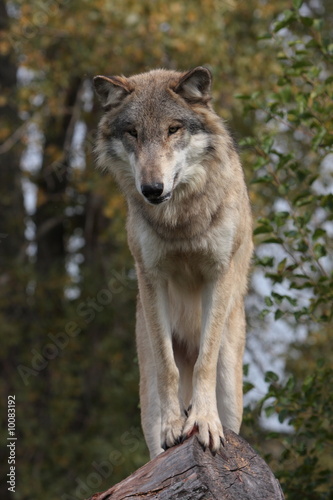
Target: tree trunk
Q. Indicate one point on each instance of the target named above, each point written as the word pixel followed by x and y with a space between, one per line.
pixel 188 472
pixel 12 226
pixel 50 215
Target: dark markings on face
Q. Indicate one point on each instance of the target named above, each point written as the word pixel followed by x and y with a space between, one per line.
pixel 113 155
pixel 195 126
pixel 210 149
pixel 150 116
pixel 120 125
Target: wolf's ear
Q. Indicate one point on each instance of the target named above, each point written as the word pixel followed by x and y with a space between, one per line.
pixel 111 90
pixel 195 85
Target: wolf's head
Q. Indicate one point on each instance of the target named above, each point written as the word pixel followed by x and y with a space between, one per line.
pixel 154 134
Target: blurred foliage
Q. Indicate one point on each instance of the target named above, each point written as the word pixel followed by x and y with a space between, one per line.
pixel 305 465
pixel 67 287
pixel 291 152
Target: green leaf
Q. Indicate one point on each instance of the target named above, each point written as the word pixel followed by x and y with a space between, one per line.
pixel 292 301
pixel 282 55
pixel 303 63
pixel 281 217
pixel 276 241
pixel 263 179
pixel 265 261
pixel 319 232
pixel 283 415
pixel 282 265
pixel 291 383
pixel 264 313
pixel 318 24
pixel 319 250
pixel 242 96
pixel 291 234
pixel 268 301
pixel 247 141
pixel 264 36
pixel 269 411
pixel 247 387
pixel 289 17
pixel 297 3
pixel 278 314
pixel 308 382
pixel 304 199
pixel 263 229
pixel 278 298
pixel 255 94
pixel 319 137
pixel 327 201
pixel 271 376
pixel 276 278
pixel 312 44
pixel 307 21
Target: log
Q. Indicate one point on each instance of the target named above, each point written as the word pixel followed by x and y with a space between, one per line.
pixel 188 472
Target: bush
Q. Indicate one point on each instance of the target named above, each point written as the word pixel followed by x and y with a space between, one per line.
pixel 292 156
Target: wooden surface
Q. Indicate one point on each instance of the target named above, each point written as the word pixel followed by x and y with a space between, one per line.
pixel 188 472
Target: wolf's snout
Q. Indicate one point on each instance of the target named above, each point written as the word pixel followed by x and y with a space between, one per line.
pixel 152 191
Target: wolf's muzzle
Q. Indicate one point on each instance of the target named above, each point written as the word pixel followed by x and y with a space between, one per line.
pixel 153 192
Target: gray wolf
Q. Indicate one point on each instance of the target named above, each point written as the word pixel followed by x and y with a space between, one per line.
pixel 189 230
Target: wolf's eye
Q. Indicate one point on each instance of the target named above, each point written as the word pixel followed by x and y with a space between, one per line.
pixel 173 129
pixel 132 132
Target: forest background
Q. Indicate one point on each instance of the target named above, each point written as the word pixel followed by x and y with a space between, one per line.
pixel 67 283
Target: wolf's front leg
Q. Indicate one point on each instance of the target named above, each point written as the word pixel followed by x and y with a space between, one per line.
pixel 154 301
pixel 203 416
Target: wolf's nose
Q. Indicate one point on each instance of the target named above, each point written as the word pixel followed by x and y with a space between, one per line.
pixel 151 191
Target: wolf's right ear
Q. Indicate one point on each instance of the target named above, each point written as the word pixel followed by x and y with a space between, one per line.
pixel 111 90
pixel 195 85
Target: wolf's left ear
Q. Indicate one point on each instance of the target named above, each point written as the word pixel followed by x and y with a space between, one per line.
pixel 195 85
pixel 111 90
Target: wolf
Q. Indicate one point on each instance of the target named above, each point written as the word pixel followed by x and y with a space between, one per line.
pixel 190 232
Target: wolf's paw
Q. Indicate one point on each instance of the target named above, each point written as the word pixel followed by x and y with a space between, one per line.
pixel 172 430
pixel 208 428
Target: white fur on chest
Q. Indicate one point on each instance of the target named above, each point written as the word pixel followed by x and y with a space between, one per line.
pixel 208 254
pixel 186 267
